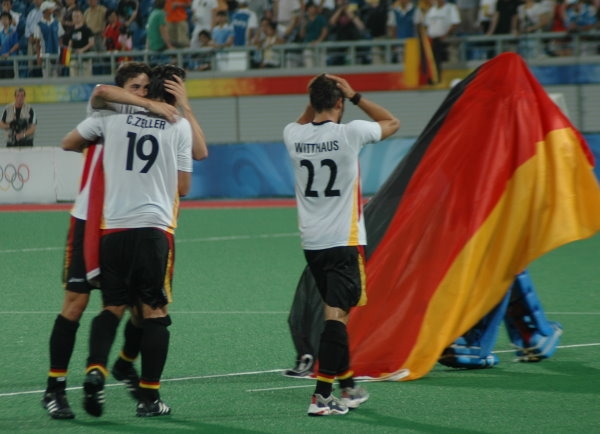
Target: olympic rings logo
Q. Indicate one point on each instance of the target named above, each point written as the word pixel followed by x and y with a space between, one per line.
pixel 13 176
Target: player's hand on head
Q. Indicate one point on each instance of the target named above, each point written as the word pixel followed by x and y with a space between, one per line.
pixel 176 87
pixel 164 109
pixel 343 85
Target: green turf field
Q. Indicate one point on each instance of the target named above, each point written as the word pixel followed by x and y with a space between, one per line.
pixel 235 275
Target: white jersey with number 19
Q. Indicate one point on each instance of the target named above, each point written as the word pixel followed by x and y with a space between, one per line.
pixel 142 155
pixel 327 180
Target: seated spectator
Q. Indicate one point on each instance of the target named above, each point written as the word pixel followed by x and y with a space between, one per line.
pixel 203 18
pixel 270 58
pixel 222 32
pixel 7 7
pixel 202 61
pixel 125 40
pixel 580 16
pixel 9 45
pixel 532 17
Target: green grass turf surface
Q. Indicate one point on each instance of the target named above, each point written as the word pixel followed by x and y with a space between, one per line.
pixel 235 275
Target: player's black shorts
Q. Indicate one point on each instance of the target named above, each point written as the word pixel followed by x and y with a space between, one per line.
pixel 137 265
pixel 339 275
pixel 74 273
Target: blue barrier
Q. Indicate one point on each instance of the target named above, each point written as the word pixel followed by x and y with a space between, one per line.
pixel 258 170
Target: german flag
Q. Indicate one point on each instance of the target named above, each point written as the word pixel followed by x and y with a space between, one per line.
pixel 419 64
pixel 498 178
pixel 65 56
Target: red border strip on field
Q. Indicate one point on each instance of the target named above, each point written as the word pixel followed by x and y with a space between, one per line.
pixel 185 204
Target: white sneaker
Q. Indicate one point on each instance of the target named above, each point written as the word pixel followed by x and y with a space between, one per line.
pixel 320 406
pixel 352 397
pixel 303 367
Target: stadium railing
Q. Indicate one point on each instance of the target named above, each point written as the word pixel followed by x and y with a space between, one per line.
pixel 549 47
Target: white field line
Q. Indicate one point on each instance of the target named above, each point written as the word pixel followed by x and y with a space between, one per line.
pixel 177 241
pixel 240 374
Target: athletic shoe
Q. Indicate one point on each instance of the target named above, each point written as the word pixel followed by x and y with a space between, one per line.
pixel 130 378
pixel 57 405
pixel 156 408
pixel 303 367
pixel 93 393
pixel 320 406
pixel 352 397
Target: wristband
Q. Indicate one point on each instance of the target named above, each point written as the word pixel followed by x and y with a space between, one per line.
pixel 356 98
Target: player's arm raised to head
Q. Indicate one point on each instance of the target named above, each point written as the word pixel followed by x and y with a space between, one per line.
pixel 388 122
pixel 105 94
pixel 306 116
pixel 73 141
pixel 177 88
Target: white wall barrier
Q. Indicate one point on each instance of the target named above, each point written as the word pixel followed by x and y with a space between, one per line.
pixel 39 175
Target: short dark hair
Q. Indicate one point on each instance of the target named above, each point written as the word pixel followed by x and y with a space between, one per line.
pixel 324 93
pixel 6 14
pixel 130 70
pixel 161 73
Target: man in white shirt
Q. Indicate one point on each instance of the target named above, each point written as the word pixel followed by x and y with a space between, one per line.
pixel 441 21
pixel 148 162
pixel 324 155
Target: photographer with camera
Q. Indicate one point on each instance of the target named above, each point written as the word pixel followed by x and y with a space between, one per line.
pixel 19 120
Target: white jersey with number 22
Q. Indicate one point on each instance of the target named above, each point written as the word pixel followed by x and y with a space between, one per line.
pixel 327 180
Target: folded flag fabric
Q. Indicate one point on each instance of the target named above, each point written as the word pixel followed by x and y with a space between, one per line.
pixel 498 177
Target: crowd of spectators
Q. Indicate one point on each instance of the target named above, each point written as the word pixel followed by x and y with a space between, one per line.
pixel 62 29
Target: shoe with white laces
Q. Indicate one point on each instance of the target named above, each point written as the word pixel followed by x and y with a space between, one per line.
pixel 320 406
pixel 93 393
pixel 57 405
pixel 303 367
pixel 129 377
pixel 352 397
pixel 149 409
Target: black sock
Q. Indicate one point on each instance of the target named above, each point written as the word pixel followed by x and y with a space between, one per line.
pixel 102 336
pixel 332 354
pixel 131 346
pixel 62 342
pixel 154 349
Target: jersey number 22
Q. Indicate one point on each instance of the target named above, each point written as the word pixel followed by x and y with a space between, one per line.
pixel 329 190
